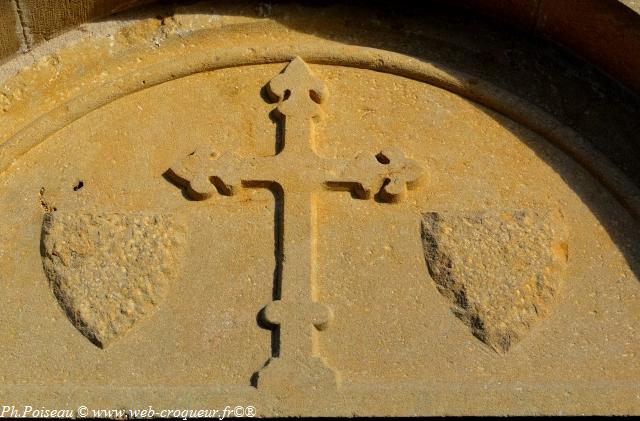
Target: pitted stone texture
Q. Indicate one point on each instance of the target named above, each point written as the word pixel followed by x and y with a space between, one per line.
pixel 501 270
pixel 109 271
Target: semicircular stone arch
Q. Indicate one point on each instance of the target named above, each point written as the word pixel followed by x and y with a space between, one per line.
pixel 251 202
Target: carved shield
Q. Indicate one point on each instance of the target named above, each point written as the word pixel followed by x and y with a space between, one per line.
pixel 109 270
pixel 500 270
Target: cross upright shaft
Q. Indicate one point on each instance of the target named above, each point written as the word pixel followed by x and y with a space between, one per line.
pixel 300 173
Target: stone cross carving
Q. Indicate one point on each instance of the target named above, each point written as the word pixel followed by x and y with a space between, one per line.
pixel 296 173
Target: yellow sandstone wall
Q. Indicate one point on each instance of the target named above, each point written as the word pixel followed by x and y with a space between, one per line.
pixel 46 18
pixel 10 34
pixel 25 23
pixel 603 32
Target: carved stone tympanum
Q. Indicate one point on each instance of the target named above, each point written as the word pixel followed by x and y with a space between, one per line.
pixel 304 210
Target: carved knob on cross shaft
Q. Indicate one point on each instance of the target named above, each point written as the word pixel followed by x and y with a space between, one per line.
pixel 402 173
pixel 205 172
pixel 297 90
pixel 318 314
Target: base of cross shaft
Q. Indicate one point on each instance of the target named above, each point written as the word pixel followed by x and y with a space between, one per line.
pixel 297 365
pixel 310 373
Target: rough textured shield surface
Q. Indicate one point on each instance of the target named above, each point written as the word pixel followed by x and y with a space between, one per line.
pixel 108 271
pixel 501 270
